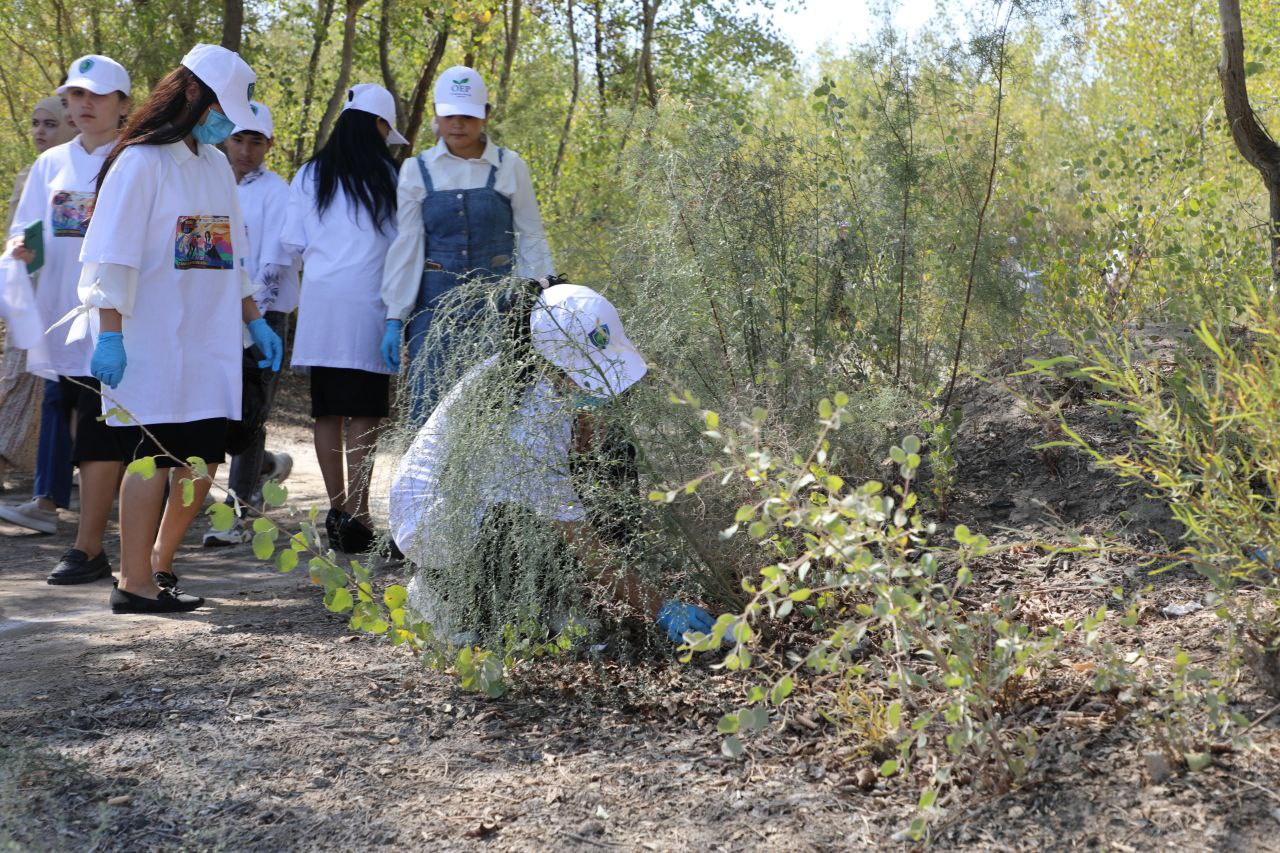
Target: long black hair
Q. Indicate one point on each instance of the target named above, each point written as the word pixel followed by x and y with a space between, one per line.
pixel 356 158
pixel 167 115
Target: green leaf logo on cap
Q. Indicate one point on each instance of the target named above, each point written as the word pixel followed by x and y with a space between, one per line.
pixel 254 107
pixel 250 92
pixel 85 65
pixel 464 81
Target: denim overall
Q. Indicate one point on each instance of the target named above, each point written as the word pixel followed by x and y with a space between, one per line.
pixel 468 234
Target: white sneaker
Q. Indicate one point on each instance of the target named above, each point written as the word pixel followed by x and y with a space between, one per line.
pixel 236 534
pixel 31 516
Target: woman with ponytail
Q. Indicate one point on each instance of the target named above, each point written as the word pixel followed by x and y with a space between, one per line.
pixel 169 325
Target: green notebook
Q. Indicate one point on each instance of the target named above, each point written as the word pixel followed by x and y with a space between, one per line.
pixel 33 239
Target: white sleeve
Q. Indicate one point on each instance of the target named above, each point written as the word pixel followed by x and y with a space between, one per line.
pixel 117 232
pixel 276 210
pixel 293 235
pixel 402 274
pixel 33 204
pixel 533 254
pixel 108 286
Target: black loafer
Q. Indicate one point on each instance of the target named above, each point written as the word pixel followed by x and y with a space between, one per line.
pixel 76 567
pixel 167 602
pixel 354 536
pixel 333 524
pixel 165 580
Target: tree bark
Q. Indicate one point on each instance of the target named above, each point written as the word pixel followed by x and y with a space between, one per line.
pixel 232 24
pixel 649 9
pixel 573 99
pixel 509 53
pixel 418 103
pixel 1253 141
pixel 601 82
pixel 344 72
pixel 384 54
pixel 324 17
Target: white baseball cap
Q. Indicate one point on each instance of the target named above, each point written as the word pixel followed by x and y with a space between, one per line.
pixel 460 91
pixel 264 118
pixel 372 98
pixel 580 332
pixel 101 75
pixel 231 80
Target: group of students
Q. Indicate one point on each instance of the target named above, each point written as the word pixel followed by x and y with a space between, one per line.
pixel 171 267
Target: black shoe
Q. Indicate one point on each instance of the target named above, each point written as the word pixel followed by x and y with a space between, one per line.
pixel 76 567
pixel 166 580
pixel 333 527
pixel 167 602
pixel 355 537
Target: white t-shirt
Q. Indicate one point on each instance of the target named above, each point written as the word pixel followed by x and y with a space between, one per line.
pixel 341 317
pixel 531 469
pixel 60 190
pixel 264 201
pixel 174 217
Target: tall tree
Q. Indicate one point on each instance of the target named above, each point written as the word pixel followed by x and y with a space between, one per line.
pixel 344 71
pixel 1255 144
pixel 232 23
pixel 573 97
pixel 320 34
pixel 510 46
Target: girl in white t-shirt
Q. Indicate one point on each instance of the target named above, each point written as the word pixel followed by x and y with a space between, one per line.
pixel 341 220
pixel 171 324
pixel 60 191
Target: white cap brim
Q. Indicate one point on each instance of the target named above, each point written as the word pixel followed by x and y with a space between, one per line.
pixel 444 110
pixel 395 138
pixel 85 83
pixel 242 116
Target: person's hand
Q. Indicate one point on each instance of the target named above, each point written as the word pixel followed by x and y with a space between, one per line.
pixel 268 343
pixel 390 347
pixel 678 618
pixel 107 365
pixel 18 250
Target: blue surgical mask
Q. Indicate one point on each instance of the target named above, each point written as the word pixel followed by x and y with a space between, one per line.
pixel 215 128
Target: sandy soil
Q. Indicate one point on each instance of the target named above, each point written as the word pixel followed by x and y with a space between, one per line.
pixel 261 723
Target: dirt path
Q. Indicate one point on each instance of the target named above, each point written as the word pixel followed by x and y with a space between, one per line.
pixel 261 723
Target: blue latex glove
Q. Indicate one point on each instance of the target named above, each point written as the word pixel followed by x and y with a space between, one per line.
pixel 107 365
pixel 268 343
pixel 390 347
pixel 678 618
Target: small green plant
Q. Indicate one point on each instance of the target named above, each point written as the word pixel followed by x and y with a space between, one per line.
pixel 940 443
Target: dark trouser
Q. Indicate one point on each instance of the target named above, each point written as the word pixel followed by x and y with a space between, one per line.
pixel 246 466
pixel 53 453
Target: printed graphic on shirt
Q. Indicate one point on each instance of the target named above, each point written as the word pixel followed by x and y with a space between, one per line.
pixel 71 212
pixel 203 243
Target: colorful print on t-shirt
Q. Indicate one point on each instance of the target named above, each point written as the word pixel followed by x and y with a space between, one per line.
pixel 71 212
pixel 203 243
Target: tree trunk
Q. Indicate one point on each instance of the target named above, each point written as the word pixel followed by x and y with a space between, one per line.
pixel 324 17
pixel 601 86
pixel 232 23
pixel 650 10
pixel 344 72
pixel 1253 141
pixel 384 55
pixel 418 103
pixel 573 100
pixel 509 54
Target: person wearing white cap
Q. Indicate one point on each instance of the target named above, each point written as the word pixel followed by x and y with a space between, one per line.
pixel 60 192
pixel 341 219
pixel 568 355
pixel 164 280
pixel 466 210
pixel 264 200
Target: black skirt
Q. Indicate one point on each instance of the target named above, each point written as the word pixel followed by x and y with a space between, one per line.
pixel 94 440
pixel 342 392
pixel 206 439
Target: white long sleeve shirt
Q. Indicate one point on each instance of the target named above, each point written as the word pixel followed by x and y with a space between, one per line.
pixel 402 275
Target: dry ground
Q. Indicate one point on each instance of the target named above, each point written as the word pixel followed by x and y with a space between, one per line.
pixel 260 723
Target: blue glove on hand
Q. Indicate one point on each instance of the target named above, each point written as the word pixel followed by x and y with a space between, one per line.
pixel 390 347
pixel 107 365
pixel 268 343
pixel 677 618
